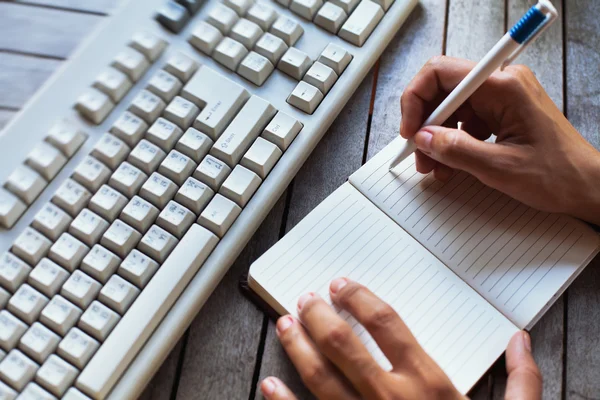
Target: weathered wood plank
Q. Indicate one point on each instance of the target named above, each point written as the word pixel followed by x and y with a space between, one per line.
pixel 95 6
pixel 583 109
pixel 221 352
pixel 161 386
pixel 42 31
pixel 21 76
pixel 338 154
pixel 5 116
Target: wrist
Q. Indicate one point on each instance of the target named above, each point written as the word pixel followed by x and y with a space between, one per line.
pixel 585 199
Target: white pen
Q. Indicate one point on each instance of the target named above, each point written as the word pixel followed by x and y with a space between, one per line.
pixel 533 23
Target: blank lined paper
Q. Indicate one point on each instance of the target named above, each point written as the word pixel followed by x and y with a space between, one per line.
pixel 517 258
pixel 347 235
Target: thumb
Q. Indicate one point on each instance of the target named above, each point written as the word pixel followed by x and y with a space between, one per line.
pixel 457 149
pixel 524 378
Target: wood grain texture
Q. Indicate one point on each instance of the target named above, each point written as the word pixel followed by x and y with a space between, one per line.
pixel 42 31
pixel 161 386
pixel 583 109
pixel 95 6
pixel 338 154
pixel 220 356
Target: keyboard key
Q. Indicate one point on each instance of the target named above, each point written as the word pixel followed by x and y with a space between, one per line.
pixel 295 63
pixel 13 271
pixel 51 221
pixel 330 17
pixel 6 392
pixel 127 179
pixel 25 183
pixel 48 277
pixel 110 150
pixel 222 18
pixel 385 4
pixel 306 8
pixel 335 58
pixel 262 15
pixel 191 5
pixel 239 6
pixel 271 47
pixel 261 157
pixel 212 172
pixel 33 391
pixel 157 243
pixel 146 156
pixel 68 252
pixel 173 16
pixel 88 227
pixel 147 106
pixel 320 76
pixel 305 97
pixel 113 83
pixel 218 97
pixel 246 32
pixel 80 289
pixel 149 45
pixel 118 294
pixel 129 128
pixel 94 105
pixel 71 197
pixel 98 321
pixel 175 219
pixel 107 203
pixel 139 214
pixel 287 29
pixel 66 137
pixel 361 23
pixel 138 268
pixel 255 68
pixel 132 63
pixel 60 315
pixel 100 264
pixel 27 303
pixel 158 190
pixel 194 144
pixel 182 112
pixel 164 134
pixel 242 131
pixel 39 342
pixel 31 246
pixel 181 66
pixel 194 195
pixel 17 369
pixel 177 167
pixel 164 85
pixel 91 173
pixel 107 365
pixel 56 375
pixel 346 5
pixel 11 208
pixel 240 185
pixel 77 347
pixel 46 160
pixel 120 238
pixel 11 330
pixel 219 215
pixel 229 53
pixel 205 37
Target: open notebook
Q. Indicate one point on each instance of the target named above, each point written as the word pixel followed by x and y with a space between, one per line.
pixel 464 265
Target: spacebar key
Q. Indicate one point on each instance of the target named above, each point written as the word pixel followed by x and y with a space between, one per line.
pixel 136 326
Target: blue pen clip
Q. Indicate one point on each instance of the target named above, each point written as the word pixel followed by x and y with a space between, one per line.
pixel 536 21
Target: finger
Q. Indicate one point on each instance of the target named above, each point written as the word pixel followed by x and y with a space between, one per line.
pixel 336 340
pixel 383 323
pixel 425 164
pixel 443 173
pixel 524 378
pixel 273 389
pixel 317 373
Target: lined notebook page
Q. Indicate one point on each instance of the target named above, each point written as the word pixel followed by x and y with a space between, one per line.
pixel 518 258
pixel 347 235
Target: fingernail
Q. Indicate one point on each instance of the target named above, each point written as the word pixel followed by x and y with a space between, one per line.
pixel 338 284
pixel 527 341
pixel 423 140
pixel 283 324
pixel 303 299
pixel 268 386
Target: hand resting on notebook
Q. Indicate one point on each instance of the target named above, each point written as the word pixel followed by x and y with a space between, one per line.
pixel 539 158
pixel 334 364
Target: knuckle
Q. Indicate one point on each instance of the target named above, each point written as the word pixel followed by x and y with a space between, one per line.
pixel 445 143
pixel 436 61
pixel 337 337
pixel 350 293
pixel 381 317
pixel 314 375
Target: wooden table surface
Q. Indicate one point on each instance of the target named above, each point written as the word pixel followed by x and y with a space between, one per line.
pixel 231 345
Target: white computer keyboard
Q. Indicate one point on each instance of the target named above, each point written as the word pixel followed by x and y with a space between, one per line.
pixel 134 178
